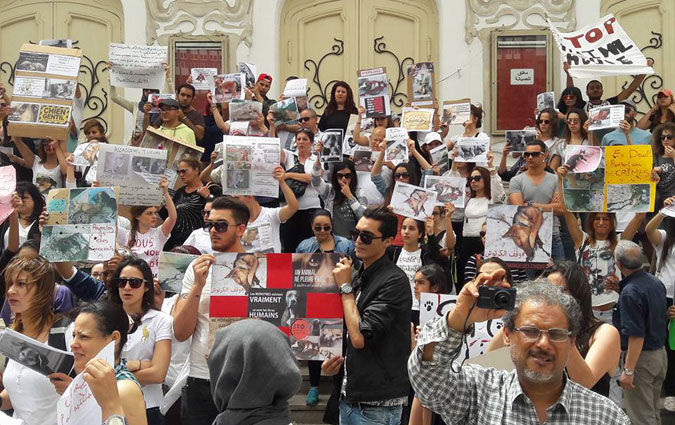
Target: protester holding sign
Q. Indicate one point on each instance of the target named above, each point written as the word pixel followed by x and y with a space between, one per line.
pixel 49 165
pixel 627 133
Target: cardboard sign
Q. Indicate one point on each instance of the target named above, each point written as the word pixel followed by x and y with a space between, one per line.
pixel 46 79
pixel 296 292
pixel 600 49
pixel 421 84
pixel 374 91
pixel 417 119
pixel 178 149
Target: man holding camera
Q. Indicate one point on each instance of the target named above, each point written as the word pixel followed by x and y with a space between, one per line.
pixel 541 332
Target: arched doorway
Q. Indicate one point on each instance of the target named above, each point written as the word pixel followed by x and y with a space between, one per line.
pixel 329 40
pixel 91 24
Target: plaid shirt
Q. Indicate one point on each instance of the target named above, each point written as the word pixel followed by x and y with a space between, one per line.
pixel 477 395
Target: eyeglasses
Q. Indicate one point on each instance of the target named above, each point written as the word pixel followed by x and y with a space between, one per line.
pixel 305 119
pixel 134 282
pixel 220 226
pixel 475 178
pixel 344 176
pixel 543 121
pixel 168 109
pixel 667 136
pixel 569 96
pixel 531 154
pixel 366 238
pixel 533 333
pixel 573 121
pixel 401 176
pixel 325 228
pixel 482 234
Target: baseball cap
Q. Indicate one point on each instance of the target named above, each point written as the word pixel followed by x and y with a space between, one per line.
pixel 264 76
pixel 667 92
pixel 432 136
pixel 171 103
pixel 629 103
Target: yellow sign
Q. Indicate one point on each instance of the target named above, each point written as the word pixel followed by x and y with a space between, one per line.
pixel 628 182
pixel 54 114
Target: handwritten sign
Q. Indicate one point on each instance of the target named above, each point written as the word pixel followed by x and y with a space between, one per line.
pixel 522 77
pixel 628 164
pixel 137 66
pixel 417 119
pixel 7 187
pixel 77 405
pixel 600 49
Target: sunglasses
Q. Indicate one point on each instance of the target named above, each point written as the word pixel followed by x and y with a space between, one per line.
pixel 325 228
pixel 366 238
pixel 305 119
pixel 182 171
pixel 475 179
pixel 569 96
pixel 134 282
pixel 532 333
pixel 344 176
pixel 401 175
pixel 531 154
pixel 543 121
pixel 205 213
pixel 220 226
pixel 573 121
pixel 667 136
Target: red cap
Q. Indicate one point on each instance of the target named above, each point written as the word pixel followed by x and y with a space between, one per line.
pixel 263 76
pixel 667 92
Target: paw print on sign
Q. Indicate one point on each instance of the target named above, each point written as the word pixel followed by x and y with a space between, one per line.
pixel 428 305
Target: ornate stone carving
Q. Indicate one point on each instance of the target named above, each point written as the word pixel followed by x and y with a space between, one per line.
pixel 516 14
pixel 198 17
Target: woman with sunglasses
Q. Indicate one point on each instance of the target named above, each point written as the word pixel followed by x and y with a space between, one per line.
pixel 570 98
pixel 663 149
pixel 295 229
pixel 339 196
pixel 574 133
pixel 144 239
pixel 148 350
pixel 49 165
pixel 662 112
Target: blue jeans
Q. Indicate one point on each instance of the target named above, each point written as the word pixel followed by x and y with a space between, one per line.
pixel 557 250
pixel 369 415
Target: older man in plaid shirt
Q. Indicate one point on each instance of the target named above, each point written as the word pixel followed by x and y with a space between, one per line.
pixel 541 331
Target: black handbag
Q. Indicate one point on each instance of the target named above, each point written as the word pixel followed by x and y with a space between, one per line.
pixel 297 187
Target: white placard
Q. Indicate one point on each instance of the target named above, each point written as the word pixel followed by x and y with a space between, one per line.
pixel 412 201
pixel 202 78
pixel 249 166
pixel 137 66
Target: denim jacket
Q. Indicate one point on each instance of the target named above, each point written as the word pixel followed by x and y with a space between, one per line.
pixel 342 245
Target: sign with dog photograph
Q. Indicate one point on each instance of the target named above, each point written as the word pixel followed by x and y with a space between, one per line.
pixel 44 88
pixel 519 235
pixel 421 84
pixel 249 166
pixel 374 91
pixel 413 201
pixel 296 292
pixel 35 355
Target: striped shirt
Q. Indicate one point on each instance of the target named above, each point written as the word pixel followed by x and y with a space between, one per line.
pixel 477 395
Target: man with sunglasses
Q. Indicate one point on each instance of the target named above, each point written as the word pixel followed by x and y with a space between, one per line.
pixel 627 133
pixel 376 304
pixel 539 188
pixel 226 225
pixel 541 331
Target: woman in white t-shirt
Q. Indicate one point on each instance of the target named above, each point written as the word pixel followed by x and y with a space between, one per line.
pixel 49 166
pixel 148 349
pixel 144 239
pixel 29 211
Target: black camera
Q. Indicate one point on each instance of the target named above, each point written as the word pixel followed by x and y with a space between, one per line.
pixel 496 298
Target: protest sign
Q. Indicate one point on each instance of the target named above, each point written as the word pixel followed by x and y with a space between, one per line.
pixel 600 49
pixel 247 110
pixel 332 145
pixel 518 139
pixel 62 43
pixel 34 355
pixel 8 420
pixel 296 292
pixel 397 145
pixel 669 210
pixel 171 270
pixel 202 78
pixel 137 172
pixel 449 189
pixel 156 98
pixel 249 164
pixel 374 91
pixel 250 73
pixel 82 224
pixel 472 149
pixel 585 192
pixel 412 201
pixel 7 187
pixel 285 111
pixel 440 158
pixel 421 84
pixel 545 100
pixel 417 119
pixel 456 112
pixel 77 405
pixel 228 86
pixel 519 235
pixel 628 178
pixel 605 117
pixel 363 160
pixel 296 88
pixel 433 306
pixel 177 148
pixel 137 66
pixel 45 83
pixel 582 159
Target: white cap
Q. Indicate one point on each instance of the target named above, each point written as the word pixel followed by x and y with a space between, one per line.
pixel 431 137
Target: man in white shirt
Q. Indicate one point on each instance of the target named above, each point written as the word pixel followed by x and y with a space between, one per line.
pixel 226 223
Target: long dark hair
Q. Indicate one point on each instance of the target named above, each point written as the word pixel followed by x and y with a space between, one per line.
pixel 553 117
pixel 29 188
pixel 110 317
pixel 135 212
pixel 668 241
pixel 611 237
pixel 657 146
pixel 332 106
pixel 144 268
pixel 579 288
pixel 414 179
pixel 574 91
pixel 583 117
pixel 436 277
pixel 339 166
pixel 485 176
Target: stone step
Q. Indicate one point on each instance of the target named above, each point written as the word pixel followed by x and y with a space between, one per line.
pixel 301 414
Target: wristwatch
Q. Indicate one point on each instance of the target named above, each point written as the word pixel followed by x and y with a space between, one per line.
pixel 116 420
pixel 346 288
pixel 628 372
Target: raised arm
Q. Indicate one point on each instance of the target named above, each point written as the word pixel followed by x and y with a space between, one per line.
pixel 637 80
pixel 170 221
pixel 26 154
pixel 424 164
pixel 292 205
pixel 358 138
pixel 186 310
